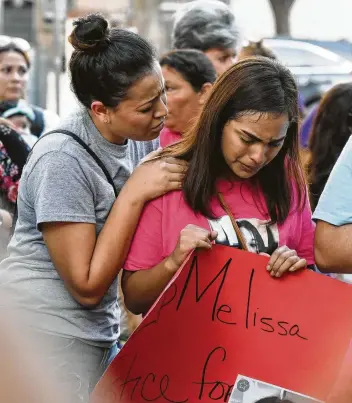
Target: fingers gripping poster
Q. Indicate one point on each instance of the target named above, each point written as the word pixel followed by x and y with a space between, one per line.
pixel 225 331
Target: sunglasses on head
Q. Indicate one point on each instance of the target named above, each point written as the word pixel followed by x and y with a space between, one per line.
pixel 19 43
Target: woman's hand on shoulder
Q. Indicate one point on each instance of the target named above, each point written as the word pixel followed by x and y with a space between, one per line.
pixel 155 177
pixel 284 260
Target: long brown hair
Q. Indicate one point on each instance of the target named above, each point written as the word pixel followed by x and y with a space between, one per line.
pixel 252 86
pixel 331 130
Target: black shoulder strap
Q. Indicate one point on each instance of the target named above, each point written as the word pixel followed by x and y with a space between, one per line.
pixel 90 152
pixel 38 125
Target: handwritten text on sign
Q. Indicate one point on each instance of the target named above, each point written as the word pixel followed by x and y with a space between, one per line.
pixel 223 316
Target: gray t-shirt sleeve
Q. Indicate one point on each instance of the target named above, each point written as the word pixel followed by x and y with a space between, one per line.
pixel 60 190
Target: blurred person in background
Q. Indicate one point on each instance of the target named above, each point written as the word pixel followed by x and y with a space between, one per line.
pixel 253 49
pixel 21 115
pixel 306 129
pixel 14 69
pixel 189 76
pixel 24 374
pixel 13 155
pixel 332 127
pixel 209 26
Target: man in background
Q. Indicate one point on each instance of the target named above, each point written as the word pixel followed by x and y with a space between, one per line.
pixel 209 26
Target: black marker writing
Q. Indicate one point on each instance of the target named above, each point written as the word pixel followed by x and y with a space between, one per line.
pixel 216 311
pixel 214 389
pixel 151 388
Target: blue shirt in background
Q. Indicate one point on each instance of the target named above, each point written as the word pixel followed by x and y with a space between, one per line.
pixel 335 203
pixel 306 127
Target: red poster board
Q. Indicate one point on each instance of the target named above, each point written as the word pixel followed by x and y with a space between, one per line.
pixel 224 316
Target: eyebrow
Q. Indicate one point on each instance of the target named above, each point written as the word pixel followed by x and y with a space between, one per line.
pixel 153 99
pixel 255 138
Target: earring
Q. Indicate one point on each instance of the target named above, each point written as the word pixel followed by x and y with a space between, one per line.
pixel 106 119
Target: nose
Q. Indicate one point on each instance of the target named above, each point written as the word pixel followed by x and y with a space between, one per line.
pixel 161 110
pixel 257 153
pixel 16 76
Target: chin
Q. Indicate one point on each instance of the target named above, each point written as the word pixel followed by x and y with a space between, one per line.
pixel 146 137
pixel 13 96
pixel 243 175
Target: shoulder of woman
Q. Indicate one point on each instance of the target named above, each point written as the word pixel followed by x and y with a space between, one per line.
pixel 55 145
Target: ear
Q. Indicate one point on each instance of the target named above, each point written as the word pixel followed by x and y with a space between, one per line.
pixel 204 92
pixel 100 111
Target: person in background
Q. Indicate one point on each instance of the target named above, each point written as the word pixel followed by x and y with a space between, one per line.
pixel 244 188
pixel 332 127
pixel 77 214
pixel 253 49
pixel 333 237
pixel 209 26
pixel 306 128
pixel 21 115
pixel 189 76
pixel 13 155
pixel 14 68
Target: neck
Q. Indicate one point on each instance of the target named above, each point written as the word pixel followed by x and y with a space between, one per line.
pixel 106 133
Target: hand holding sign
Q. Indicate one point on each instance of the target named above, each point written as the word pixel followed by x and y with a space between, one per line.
pixel 191 237
pixel 284 259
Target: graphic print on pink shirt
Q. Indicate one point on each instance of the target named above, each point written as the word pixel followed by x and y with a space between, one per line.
pixel 259 235
pixel 163 219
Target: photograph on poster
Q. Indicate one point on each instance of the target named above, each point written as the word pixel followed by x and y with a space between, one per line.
pixel 249 390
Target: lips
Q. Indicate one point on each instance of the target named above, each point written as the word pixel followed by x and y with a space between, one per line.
pixel 159 127
pixel 15 89
pixel 249 168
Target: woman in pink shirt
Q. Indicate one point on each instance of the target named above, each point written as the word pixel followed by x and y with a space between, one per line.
pixel 188 76
pixel 244 188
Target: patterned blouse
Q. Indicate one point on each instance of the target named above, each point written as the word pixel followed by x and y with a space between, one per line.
pixel 13 155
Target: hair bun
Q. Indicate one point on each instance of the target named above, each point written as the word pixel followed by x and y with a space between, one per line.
pixel 90 33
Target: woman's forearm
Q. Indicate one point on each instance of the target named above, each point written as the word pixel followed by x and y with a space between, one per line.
pixel 114 240
pixel 89 264
pixel 333 247
pixel 142 288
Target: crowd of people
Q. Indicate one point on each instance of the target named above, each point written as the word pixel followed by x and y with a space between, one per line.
pixel 202 131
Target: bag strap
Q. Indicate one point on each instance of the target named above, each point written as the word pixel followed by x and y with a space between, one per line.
pixel 90 152
pixel 239 234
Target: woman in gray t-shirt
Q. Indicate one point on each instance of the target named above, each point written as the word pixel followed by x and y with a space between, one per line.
pixel 71 236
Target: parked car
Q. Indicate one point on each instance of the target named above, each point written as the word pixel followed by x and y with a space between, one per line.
pixel 315 67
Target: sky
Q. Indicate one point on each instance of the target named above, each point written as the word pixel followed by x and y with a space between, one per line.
pixel 318 19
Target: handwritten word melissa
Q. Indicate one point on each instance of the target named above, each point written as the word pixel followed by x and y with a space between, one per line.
pixel 223 313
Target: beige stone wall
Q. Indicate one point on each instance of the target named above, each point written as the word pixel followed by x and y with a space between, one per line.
pixel 111 7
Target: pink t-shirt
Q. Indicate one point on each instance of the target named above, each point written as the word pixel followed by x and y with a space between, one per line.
pixel 168 137
pixel 163 219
